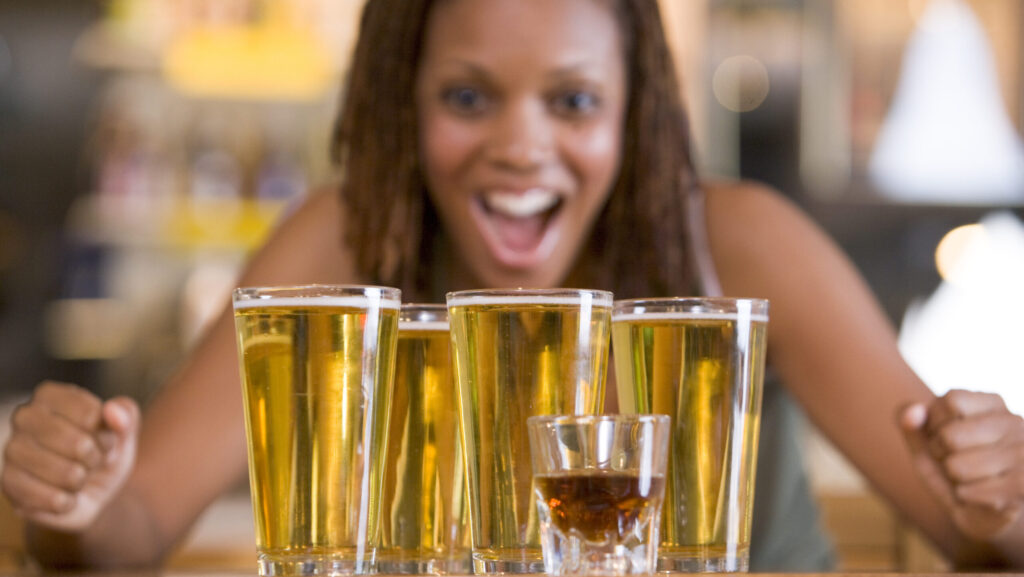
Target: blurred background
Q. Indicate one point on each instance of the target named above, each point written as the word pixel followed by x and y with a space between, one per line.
pixel 147 146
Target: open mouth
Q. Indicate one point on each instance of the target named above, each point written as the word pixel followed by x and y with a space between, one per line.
pixel 517 224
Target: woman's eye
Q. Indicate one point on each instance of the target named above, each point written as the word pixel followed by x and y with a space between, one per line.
pixel 576 103
pixel 465 100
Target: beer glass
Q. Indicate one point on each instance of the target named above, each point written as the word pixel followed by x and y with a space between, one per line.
pixel 317 365
pixel 520 353
pixel 426 515
pixel 700 360
pixel 600 481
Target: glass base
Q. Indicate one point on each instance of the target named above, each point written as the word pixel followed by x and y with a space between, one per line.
pixel 309 565
pixel 424 566
pixel 524 563
pixel 739 563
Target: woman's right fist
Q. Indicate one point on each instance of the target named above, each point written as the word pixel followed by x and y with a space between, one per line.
pixel 68 455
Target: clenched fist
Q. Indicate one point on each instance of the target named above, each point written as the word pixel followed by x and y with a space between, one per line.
pixel 68 455
pixel 969 448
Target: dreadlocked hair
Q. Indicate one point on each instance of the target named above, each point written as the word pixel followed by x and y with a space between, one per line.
pixel 638 245
pixel 639 242
pixel 374 144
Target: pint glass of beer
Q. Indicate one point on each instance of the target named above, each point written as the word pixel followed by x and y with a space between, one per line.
pixel 426 514
pixel 702 362
pixel 520 353
pixel 317 365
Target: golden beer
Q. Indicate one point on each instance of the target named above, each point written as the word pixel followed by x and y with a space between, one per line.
pixel 520 354
pixel 702 362
pixel 426 515
pixel 317 367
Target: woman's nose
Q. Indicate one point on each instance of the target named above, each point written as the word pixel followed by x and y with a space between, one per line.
pixel 522 136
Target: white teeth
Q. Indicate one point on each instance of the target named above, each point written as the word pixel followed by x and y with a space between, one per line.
pixel 521 205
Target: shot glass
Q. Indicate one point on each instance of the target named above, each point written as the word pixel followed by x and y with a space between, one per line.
pixel 599 483
pixel 700 360
pixel 317 365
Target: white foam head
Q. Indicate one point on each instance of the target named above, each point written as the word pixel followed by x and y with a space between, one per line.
pixel 358 302
pixel 508 299
pixel 688 316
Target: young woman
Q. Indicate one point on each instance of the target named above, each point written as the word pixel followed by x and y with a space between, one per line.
pixel 538 143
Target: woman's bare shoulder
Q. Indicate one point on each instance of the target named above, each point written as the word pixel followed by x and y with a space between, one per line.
pixel 740 214
pixel 735 205
pixel 761 241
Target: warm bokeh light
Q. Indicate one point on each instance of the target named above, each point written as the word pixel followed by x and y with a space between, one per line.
pixel 953 246
pixel 741 83
pixel 262 63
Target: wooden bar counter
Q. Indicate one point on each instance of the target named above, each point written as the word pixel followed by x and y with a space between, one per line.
pixel 869 538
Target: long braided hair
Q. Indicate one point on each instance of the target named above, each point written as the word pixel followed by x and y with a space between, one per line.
pixel 638 245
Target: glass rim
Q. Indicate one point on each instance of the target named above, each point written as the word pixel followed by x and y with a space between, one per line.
pixel 600 298
pixel 423 316
pixel 548 420
pixel 691 306
pixel 352 295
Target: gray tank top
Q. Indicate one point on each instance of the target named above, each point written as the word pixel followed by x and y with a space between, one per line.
pixel 787 535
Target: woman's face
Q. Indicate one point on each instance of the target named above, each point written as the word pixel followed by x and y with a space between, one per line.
pixel 521 107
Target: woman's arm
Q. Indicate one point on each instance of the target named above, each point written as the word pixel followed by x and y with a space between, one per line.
pixel 837 354
pixel 191 448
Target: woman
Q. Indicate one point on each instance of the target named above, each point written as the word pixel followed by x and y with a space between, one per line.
pixel 535 143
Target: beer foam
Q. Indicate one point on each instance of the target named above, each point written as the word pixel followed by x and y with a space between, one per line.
pixel 422 326
pixel 689 316
pixel 356 302
pixel 597 301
